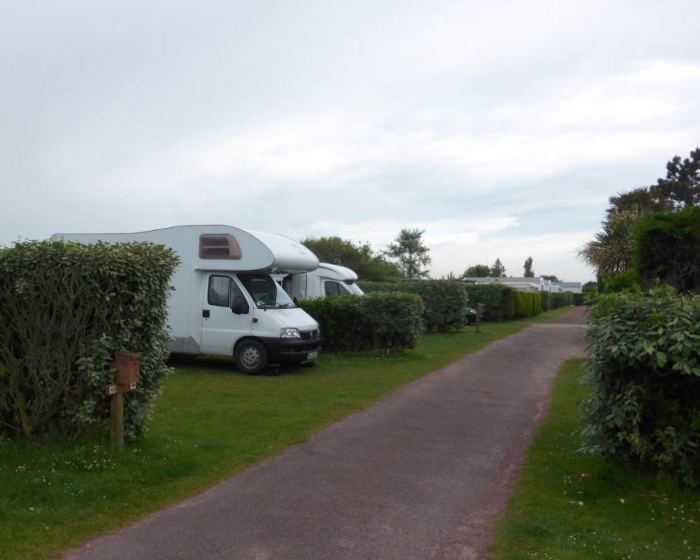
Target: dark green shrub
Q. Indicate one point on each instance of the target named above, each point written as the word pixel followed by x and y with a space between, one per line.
pixel 527 304
pixel 668 248
pixel 561 299
pixel 644 373
pixel 546 304
pixel 374 321
pixel 445 301
pixel 498 300
pixel 624 281
pixel 65 308
pixel 579 299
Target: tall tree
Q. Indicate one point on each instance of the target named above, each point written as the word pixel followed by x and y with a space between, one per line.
pixel 639 200
pixel 612 249
pixel 477 271
pixel 529 273
pixel 497 269
pixel 357 256
pixel 681 187
pixel 410 253
pixel 550 277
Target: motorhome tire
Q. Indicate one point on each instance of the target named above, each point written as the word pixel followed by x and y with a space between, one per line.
pixel 251 357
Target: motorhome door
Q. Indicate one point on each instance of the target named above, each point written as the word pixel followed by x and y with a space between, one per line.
pixel 221 327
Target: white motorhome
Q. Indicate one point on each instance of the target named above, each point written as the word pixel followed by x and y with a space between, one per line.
pixel 225 301
pixel 326 280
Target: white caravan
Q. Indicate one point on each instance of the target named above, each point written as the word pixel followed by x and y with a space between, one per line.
pixel 225 301
pixel 326 280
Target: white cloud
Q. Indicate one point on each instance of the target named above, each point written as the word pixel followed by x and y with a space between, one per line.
pixel 481 123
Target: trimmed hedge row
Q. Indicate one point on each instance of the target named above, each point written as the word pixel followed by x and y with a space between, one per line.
pixel 527 304
pixel 561 299
pixel 499 300
pixel 644 372
pixel 445 301
pixel 65 308
pixel 374 321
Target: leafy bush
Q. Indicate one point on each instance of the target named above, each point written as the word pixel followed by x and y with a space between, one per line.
pixel 546 304
pixel 445 301
pixel 527 304
pixel 374 321
pixel 579 299
pixel 498 300
pixel 65 308
pixel 668 248
pixel 624 281
pixel 644 371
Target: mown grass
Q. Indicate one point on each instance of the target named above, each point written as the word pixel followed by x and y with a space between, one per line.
pixel 209 423
pixel 570 506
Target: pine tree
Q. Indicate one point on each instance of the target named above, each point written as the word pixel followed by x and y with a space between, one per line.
pixel 497 269
pixel 410 253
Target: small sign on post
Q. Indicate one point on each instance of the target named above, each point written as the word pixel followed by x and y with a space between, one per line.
pixel 479 312
pixel 126 365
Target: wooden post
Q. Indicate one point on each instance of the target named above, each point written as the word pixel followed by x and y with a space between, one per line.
pixel 117 414
pixel 126 366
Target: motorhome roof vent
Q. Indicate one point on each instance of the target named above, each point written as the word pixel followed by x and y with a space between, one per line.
pixel 218 246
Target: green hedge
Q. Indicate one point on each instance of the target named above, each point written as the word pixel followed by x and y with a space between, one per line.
pixel 499 300
pixel 374 321
pixel 527 304
pixel 445 301
pixel 644 371
pixel 561 299
pixel 546 301
pixel 668 248
pixel 65 308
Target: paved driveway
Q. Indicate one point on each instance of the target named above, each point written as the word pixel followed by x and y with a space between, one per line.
pixel 420 475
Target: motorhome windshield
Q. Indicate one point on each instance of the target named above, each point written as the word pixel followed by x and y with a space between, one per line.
pixel 354 288
pixel 266 293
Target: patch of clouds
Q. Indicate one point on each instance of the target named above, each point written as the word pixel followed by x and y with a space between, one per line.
pixel 500 129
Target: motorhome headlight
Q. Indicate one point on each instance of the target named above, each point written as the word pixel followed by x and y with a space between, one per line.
pixel 290 333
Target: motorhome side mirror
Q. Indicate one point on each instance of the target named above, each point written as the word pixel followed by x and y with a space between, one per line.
pixel 239 305
pixel 295 301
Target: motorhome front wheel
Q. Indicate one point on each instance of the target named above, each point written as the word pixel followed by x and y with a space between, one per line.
pixel 251 357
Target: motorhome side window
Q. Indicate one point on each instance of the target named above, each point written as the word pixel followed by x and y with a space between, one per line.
pixel 335 289
pixel 218 246
pixel 219 288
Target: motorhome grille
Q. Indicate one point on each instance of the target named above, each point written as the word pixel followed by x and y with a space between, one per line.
pixel 218 246
pixel 307 335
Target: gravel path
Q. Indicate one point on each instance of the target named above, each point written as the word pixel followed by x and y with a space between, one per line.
pixel 422 474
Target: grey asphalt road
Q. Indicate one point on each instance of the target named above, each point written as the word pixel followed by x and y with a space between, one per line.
pixel 422 474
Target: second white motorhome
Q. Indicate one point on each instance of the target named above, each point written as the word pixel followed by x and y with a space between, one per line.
pixel 225 302
pixel 326 280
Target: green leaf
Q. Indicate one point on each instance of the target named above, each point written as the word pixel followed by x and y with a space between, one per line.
pixel 661 359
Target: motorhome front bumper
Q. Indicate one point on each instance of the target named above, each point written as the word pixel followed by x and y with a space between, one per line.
pixel 287 351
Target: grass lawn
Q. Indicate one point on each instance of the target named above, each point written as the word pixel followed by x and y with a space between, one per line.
pixel 570 506
pixel 209 423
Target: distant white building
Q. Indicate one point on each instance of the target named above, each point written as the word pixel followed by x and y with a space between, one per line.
pixel 573 287
pixel 529 284
pixel 520 284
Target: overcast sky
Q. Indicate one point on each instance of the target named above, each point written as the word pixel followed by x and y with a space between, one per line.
pixel 501 128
